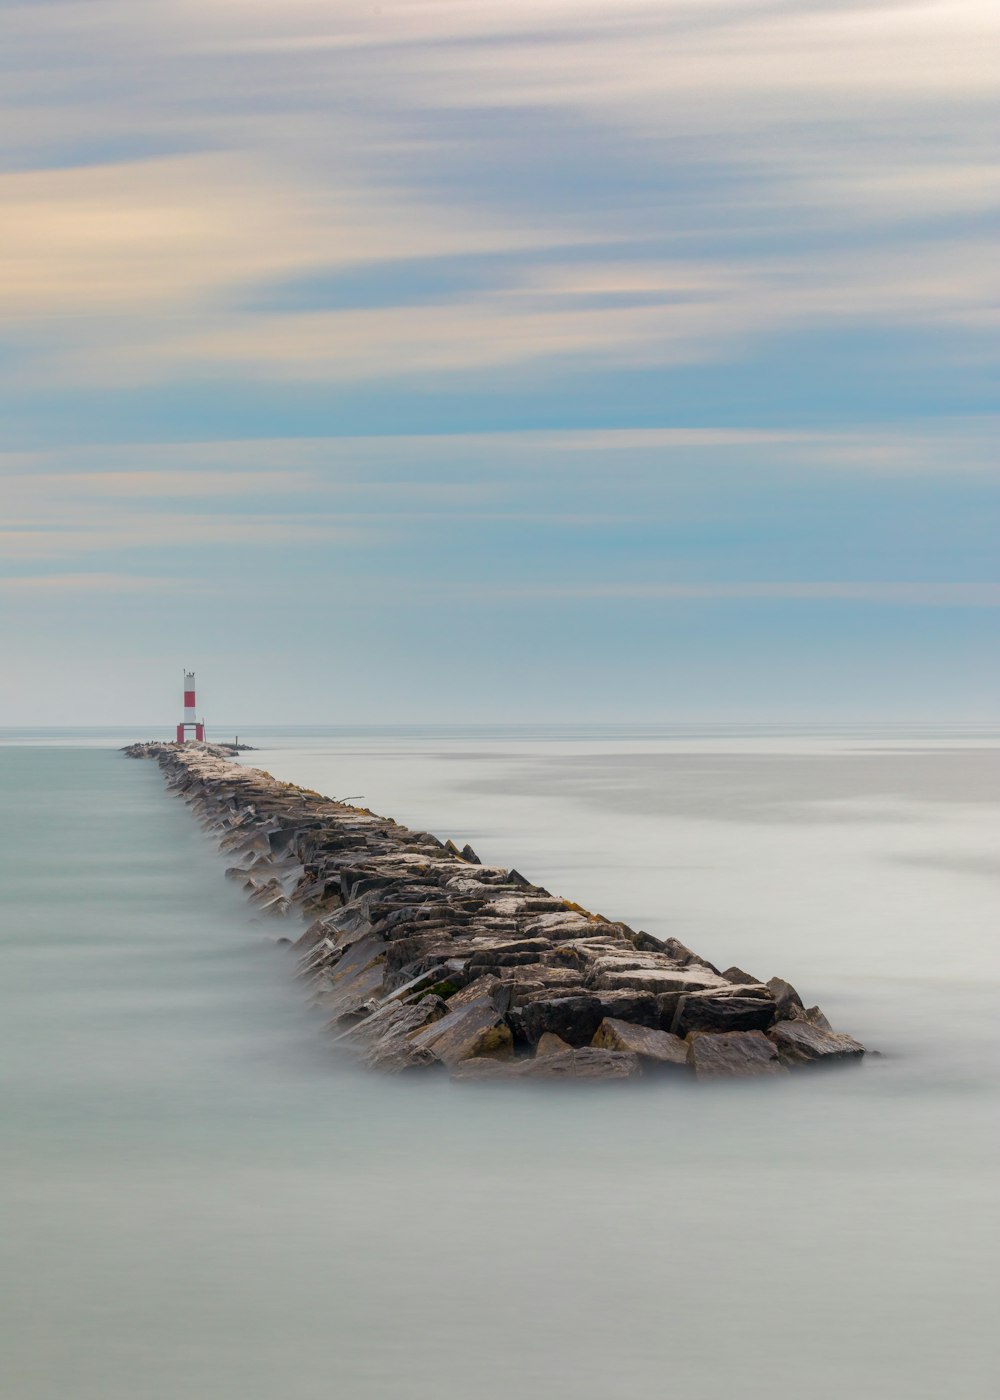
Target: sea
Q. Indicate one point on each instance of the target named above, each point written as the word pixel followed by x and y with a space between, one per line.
pixel 204 1200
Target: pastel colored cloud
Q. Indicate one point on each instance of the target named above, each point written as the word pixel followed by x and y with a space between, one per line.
pixel 960 595
pixel 658 331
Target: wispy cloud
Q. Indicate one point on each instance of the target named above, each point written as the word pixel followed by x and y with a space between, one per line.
pixel 291 159
pixel 153 485
pixel 97 531
pixel 610 314
pixel 58 584
pixel 947 595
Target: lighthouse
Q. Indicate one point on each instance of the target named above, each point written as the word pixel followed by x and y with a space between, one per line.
pixel 190 720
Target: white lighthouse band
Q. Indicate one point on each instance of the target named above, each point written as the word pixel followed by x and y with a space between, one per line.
pixel 190 721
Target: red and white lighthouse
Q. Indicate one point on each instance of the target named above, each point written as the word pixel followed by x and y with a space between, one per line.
pixel 190 720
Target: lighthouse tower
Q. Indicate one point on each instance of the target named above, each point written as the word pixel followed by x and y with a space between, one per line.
pixel 190 721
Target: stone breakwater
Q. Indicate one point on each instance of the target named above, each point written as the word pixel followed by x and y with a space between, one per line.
pixel 422 955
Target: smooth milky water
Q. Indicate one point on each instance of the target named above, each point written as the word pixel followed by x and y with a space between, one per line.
pixel 203 1200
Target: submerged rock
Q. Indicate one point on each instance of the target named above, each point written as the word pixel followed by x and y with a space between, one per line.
pixel 586 1063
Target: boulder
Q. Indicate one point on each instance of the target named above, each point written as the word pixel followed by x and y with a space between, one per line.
pixel 812 1014
pixel 486 986
pixel 582 953
pixel 514 877
pixel 785 996
pixel 661 1046
pixel 537 980
pixel 800 1043
pixel 737 975
pixel 680 953
pixel 523 990
pixel 278 906
pixel 732 1054
pixel 557 926
pixel 394 1051
pixel 574 1019
pixel 388 1044
pixel 625 958
pixel 513 953
pixel 741 1009
pixel 645 942
pixel 550 1044
pixel 470 1031
pixel 434 979
pixel 640 1008
pixel 314 934
pixel 659 979
pixel 358 978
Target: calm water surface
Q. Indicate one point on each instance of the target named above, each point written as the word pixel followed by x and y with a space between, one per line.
pixel 203 1201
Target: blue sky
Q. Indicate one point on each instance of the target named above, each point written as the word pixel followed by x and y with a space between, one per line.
pixel 458 360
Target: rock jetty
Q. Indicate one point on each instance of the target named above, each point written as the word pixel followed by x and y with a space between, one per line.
pixel 420 954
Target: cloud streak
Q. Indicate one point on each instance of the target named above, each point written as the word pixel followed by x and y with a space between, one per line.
pixel 921 595
pixel 142 263
pixel 55 585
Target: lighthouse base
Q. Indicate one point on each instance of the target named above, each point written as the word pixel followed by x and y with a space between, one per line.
pixel 199 733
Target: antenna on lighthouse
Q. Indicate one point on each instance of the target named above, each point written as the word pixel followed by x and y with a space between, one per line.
pixel 190 720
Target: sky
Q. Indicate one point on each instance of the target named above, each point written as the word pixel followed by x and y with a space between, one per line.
pixel 458 360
